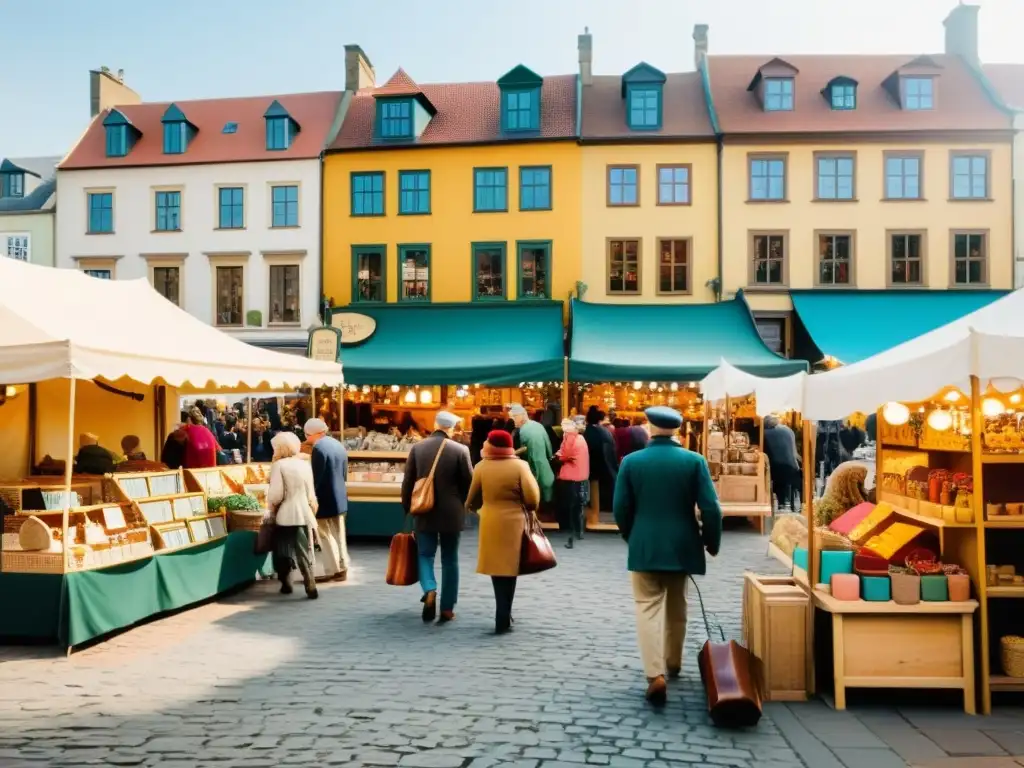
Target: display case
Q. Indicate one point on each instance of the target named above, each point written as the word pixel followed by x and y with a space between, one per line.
pixel 374 492
pixel 97 536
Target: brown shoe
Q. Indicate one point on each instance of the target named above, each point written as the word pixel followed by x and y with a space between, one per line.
pixel 657 691
pixel 343 576
pixel 674 672
pixel 429 607
pixel 446 616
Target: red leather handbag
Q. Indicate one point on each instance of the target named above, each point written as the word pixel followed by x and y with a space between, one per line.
pixel 403 561
pixel 535 554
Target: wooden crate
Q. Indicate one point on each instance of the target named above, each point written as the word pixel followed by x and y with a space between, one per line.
pixel 775 611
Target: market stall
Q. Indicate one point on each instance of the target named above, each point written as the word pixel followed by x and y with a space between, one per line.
pixel 404 363
pixel 949 482
pixel 664 349
pixel 78 565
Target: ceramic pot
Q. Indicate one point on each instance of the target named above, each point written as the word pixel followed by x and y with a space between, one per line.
pixel 906 588
pixel 959 587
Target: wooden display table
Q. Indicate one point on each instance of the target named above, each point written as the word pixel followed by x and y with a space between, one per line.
pixel 885 645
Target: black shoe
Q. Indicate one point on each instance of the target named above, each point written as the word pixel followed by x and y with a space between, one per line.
pixel 569 544
pixel 429 606
pixel 503 629
pixel 286 588
pixel 312 594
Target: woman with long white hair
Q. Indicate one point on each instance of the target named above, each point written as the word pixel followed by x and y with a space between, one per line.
pixel 292 507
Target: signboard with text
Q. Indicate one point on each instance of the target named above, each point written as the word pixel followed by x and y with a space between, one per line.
pixel 324 344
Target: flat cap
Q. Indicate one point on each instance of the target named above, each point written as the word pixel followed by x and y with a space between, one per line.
pixel 446 420
pixel 516 408
pixel 663 417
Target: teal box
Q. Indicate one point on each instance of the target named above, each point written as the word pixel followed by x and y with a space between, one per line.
pixel 833 561
pixel 934 589
pixel 800 558
pixel 875 588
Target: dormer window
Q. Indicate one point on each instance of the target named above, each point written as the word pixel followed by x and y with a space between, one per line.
pixel 918 93
pixel 12 184
pixel 643 87
pixel 403 110
pixel 841 93
pixel 281 127
pixel 121 134
pixel 778 94
pixel 520 99
pixel 178 131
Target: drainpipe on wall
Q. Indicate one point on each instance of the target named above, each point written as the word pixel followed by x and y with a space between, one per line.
pixel 321 302
pixel 721 228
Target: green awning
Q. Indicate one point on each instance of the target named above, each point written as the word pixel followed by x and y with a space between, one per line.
pixel 668 342
pixel 434 344
pixel 853 325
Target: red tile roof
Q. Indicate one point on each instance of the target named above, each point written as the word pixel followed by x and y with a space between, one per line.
pixel 400 84
pixel 314 112
pixel 1008 80
pixel 684 110
pixel 467 113
pixel 961 102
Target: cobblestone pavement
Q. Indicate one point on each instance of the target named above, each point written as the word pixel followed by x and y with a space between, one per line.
pixel 258 679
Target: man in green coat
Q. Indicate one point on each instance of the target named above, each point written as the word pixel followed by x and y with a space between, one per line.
pixel 658 491
pixel 535 449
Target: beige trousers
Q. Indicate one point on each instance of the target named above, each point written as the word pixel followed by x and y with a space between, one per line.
pixel 334 547
pixel 660 600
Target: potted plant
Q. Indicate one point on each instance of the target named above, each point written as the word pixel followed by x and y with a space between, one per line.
pixel 958 583
pixel 934 587
pixel 906 585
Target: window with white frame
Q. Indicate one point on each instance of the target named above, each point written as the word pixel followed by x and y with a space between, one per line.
pixel 17 246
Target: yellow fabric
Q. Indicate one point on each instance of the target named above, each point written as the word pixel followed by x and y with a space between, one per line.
pixel 892 539
pixel 866 527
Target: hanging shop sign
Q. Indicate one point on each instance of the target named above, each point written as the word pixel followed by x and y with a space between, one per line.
pixel 355 328
pixel 324 344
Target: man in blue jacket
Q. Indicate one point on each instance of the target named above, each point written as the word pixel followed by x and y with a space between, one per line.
pixel 330 471
pixel 656 496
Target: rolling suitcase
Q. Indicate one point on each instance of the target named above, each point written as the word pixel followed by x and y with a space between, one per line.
pixel 728 673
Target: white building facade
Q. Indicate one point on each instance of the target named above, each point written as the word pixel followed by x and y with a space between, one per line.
pixel 211 203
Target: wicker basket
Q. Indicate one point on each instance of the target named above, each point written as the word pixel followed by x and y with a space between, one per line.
pixel 1012 653
pixel 32 562
pixel 244 521
pixel 826 539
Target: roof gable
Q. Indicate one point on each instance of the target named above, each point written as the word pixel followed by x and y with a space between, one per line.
pixel 684 111
pixel 400 85
pixel 276 110
pixel 6 166
pixel 520 76
pixel 116 117
pixel 642 74
pixel 775 68
pixel 174 115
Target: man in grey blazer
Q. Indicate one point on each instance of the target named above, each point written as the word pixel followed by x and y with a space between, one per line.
pixel 443 524
pixel 330 471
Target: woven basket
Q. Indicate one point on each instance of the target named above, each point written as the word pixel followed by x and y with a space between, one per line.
pixel 1012 653
pixel 244 521
pixel 826 539
pixel 32 562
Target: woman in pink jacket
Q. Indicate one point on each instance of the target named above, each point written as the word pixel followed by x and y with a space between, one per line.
pixel 575 478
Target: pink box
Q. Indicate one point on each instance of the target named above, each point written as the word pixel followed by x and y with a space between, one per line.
pixel 845 586
pixel 850 519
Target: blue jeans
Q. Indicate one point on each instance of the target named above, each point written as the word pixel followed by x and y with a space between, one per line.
pixel 427 544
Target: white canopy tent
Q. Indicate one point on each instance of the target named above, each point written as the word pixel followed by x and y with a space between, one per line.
pixel 771 395
pixel 987 344
pixel 62 323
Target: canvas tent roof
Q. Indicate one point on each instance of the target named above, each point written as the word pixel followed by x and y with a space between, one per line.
pixel 62 323
pixel 770 395
pixel 987 343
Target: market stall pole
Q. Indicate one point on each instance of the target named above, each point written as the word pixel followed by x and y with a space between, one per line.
pixel 68 466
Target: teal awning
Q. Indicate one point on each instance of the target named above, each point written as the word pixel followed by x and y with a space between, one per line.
pixel 853 325
pixel 668 342
pixel 434 344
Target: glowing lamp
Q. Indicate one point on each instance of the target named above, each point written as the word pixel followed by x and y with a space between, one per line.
pixel 426 397
pixel 395 388
pixel 940 421
pixel 896 414
pixel 992 407
pixel 953 396
pixel 410 396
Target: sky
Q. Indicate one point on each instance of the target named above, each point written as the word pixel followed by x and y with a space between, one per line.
pixel 192 49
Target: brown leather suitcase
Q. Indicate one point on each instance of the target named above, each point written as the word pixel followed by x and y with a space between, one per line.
pixel 728 672
pixel 403 565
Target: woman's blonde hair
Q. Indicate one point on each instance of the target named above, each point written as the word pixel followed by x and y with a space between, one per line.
pixel 286 445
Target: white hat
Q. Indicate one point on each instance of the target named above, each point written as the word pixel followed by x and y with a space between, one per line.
pixel 446 420
pixel 516 409
pixel 315 427
pixel 569 426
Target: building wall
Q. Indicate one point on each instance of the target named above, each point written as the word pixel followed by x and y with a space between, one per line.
pixel 134 247
pixel 1018 198
pixel 869 217
pixel 39 226
pixel 452 226
pixel 14 463
pixel 649 221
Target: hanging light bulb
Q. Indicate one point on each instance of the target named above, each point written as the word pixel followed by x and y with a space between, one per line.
pixel 674 386
pixel 1015 398
pixel 940 420
pixel 896 414
pixel 653 385
pixel 637 384
pixel 953 396
pixel 395 388
pixel 410 396
pixel 992 407
pixel 426 397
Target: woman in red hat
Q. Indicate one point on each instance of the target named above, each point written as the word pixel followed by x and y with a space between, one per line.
pixel 503 488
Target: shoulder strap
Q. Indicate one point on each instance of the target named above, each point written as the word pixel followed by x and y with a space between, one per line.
pixel 437 458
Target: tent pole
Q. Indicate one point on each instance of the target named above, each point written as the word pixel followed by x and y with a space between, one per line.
pixel 812 556
pixel 248 430
pixel 340 393
pixel 705 430
pixel 565 388
pixel 68 465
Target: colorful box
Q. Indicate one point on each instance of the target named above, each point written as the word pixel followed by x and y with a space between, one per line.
pixel 872 523
pixel 934 589
pixel 850 519
pixel 875 588
pixel 890 542
pixel 835 562
pixel 845 586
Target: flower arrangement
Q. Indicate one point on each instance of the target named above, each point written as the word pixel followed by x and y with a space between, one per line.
pixel 235 502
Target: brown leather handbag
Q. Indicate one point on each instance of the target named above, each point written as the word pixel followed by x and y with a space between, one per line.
pixel 422 500
pixel 728 672
pixel 535 554
pixel 403 561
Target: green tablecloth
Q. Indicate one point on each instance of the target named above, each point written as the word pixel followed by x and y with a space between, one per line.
pixel 374 519
pixel 73 608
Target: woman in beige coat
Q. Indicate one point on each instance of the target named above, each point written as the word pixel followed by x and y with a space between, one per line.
pixel 503 491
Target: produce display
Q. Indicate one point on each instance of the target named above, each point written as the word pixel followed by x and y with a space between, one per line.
pixel 376 471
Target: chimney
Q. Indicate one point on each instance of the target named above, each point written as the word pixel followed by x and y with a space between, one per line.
pixel 108 90
pixel 700 45
pixel 585 45
pixel 358 69
pixel 962 33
